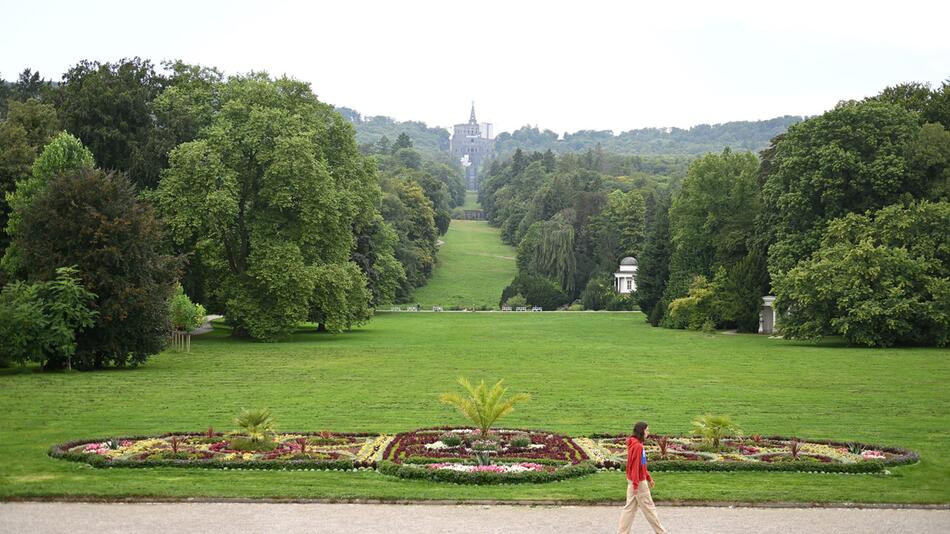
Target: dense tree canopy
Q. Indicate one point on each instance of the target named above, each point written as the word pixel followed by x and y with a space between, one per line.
pixel 107 105
pixel 270 193
pixel 94 221
pixel 573 217
pixel 859 156
pixel 25 130
pixel 63 154
pixel 877 279
pixel 712 218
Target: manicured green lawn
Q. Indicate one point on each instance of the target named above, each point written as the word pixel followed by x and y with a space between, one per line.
pixel 471 201
pixel 474 267
pixel 587 372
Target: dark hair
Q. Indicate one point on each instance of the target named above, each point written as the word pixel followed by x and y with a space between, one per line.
pixel 638 430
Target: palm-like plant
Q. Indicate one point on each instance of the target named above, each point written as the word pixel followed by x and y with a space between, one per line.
pixel 483 406
pixel 712 428
pixel 257 424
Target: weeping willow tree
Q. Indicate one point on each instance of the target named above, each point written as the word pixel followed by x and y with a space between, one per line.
pixel 556 251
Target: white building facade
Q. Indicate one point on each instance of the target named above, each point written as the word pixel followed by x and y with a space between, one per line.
pixel 625 277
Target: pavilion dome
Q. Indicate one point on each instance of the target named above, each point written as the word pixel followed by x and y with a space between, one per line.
pixel 629 260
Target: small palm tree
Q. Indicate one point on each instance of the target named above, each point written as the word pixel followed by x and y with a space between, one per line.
pixel 712 428
pixel 257 424
pixel 483 406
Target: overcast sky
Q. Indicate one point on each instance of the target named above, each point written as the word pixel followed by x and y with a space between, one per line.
pixel 560 65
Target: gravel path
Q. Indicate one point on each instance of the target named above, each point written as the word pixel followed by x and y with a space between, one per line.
pixel 238 518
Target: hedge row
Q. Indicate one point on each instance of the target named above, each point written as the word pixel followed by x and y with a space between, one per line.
pixel 485 478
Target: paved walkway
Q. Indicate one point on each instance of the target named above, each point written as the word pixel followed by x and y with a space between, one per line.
pixel 239 518
pixel 207 326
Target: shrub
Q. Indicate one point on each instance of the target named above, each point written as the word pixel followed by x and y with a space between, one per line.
pixel 794 447
pixel 39 322
pixel 451 439
pixel 483 406
pixel 622 302
pixel 520 441
pixel 517 300
pixel 251 445
pixel 186 315
pixel 256 424
pixel 597 294
pixel 713 428
pixel 537 290
pixel 694 310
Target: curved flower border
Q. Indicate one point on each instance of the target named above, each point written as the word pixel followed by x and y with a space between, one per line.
pixel 592 454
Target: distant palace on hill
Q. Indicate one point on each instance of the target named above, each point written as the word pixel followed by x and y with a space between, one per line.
pixel 472 143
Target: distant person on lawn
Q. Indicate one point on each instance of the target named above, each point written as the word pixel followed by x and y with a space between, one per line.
pixel 639 483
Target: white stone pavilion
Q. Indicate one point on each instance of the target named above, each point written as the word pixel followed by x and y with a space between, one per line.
pixel 624 277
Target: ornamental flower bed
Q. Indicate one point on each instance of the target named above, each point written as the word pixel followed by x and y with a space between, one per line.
pixel 300 450
pixel 765 454
pixel 503 445
pixel 462 455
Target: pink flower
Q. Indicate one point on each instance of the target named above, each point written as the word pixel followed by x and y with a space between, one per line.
pixel 873 455
pixel 531 466
pixel 489 468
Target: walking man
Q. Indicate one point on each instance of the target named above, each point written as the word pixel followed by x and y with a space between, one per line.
pixel 639 483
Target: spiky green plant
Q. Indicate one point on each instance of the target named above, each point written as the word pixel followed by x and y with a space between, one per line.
pixel 257 424
pixel 712 428
pixel 481 405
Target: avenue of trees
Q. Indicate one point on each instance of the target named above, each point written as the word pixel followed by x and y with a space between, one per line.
pixel 128 187
pixel 843 217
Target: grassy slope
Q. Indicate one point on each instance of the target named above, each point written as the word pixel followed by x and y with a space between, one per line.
pixel 588 372
pixel 474 267
pixel 471 201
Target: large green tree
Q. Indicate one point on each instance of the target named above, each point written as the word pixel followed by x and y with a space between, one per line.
pixel 28 127
pixel 270 193
pixel 108 106
pixel 856 157
pixel 654 264
pixel 64 153
pixel 712 218
pixel 95 221
pixel 406 208
pixel 877 279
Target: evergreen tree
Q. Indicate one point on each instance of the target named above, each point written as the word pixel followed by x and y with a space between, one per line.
pixel 654 264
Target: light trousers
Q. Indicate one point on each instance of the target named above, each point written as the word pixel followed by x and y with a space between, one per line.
pixel 639 499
